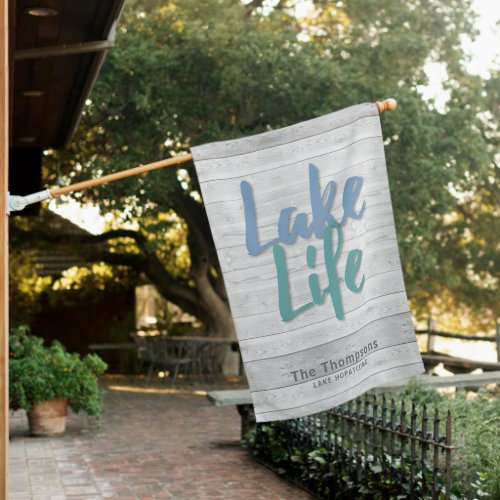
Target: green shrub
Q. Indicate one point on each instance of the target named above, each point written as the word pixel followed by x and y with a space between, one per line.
pixel 475 463
pixel 38 373
pixel 332 473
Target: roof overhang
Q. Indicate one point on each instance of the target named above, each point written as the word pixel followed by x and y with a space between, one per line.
pixel 57 48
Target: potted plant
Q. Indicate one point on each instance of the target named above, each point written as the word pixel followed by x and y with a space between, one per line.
pixel 45 380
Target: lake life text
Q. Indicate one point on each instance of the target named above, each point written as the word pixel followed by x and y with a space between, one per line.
pixel 323 226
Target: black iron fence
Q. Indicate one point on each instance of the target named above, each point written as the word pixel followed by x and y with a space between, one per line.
pixel 368 448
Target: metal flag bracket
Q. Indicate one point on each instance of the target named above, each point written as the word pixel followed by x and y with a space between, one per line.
pixel 16 203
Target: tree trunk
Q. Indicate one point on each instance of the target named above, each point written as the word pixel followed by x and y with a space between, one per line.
pixel 221 322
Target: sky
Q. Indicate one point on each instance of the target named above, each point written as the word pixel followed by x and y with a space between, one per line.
pixel 484 52
pixel 486 48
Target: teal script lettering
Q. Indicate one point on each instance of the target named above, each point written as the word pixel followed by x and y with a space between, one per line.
pixel 333 289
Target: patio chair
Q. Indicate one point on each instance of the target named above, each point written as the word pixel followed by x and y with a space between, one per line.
pixel 213 360
pixel 143 350
pixel 158 351
pixel 174 356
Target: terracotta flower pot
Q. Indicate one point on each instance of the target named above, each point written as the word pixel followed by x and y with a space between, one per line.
pixel 48 417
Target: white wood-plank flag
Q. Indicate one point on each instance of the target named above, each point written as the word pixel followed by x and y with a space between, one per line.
pixel 303 224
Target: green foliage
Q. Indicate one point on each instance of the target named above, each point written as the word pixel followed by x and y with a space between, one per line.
pixel 189 72
pixel 475 465
pixel 332 473
pixel 475 434
pixel 25 286
pixel 421 394
pixel 38 373
pixel 29 292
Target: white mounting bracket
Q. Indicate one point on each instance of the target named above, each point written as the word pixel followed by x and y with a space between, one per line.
pixel 16 203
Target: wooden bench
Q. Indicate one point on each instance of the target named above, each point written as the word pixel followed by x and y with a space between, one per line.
pixel 242 398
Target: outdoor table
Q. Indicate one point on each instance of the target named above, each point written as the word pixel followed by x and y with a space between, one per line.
pixel 193 354
pixel 202 350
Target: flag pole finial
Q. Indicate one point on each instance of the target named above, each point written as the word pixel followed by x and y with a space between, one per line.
pixel 387 105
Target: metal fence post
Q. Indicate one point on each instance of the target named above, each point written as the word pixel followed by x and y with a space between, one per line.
pixel 413 446
pixel 435 468
pixel 423 449
pixel 448 456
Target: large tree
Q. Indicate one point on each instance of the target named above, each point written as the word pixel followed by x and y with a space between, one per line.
pixel 186 72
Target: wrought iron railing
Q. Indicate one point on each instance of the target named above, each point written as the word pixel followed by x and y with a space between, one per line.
pixel 370 444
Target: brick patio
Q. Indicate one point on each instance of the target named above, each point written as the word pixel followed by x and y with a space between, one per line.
pixel 150 445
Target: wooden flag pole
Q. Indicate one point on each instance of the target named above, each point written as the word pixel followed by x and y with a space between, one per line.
pixel 387 105
pixel 18 202
pixel 121 175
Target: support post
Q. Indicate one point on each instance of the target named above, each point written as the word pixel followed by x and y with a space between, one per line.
pixel 4 248
pixel 248 422
pixel 498 340
pixel 431 326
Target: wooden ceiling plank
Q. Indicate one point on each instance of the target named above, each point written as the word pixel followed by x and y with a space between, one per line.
pixel 85 64
pixel 19 120
pixel 20 107
pixel 79 17
pixel 49 28
pixel 26 26
pixel 45 115
pixel 23 73
pixel 42 77
pixel 61 85
pixel 101 16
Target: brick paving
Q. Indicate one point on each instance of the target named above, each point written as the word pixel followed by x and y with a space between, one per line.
pixel 149 446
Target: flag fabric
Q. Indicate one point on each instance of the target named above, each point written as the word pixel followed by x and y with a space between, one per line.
pixel 303 224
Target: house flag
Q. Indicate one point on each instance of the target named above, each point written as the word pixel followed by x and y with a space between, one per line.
pixel 303 224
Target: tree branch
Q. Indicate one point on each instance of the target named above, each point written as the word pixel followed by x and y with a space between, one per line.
pixel 118 233
pixel 135 261
pixel 173 290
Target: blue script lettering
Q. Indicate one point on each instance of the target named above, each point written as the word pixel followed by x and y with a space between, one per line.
pixel 321 205
pixel 352 189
